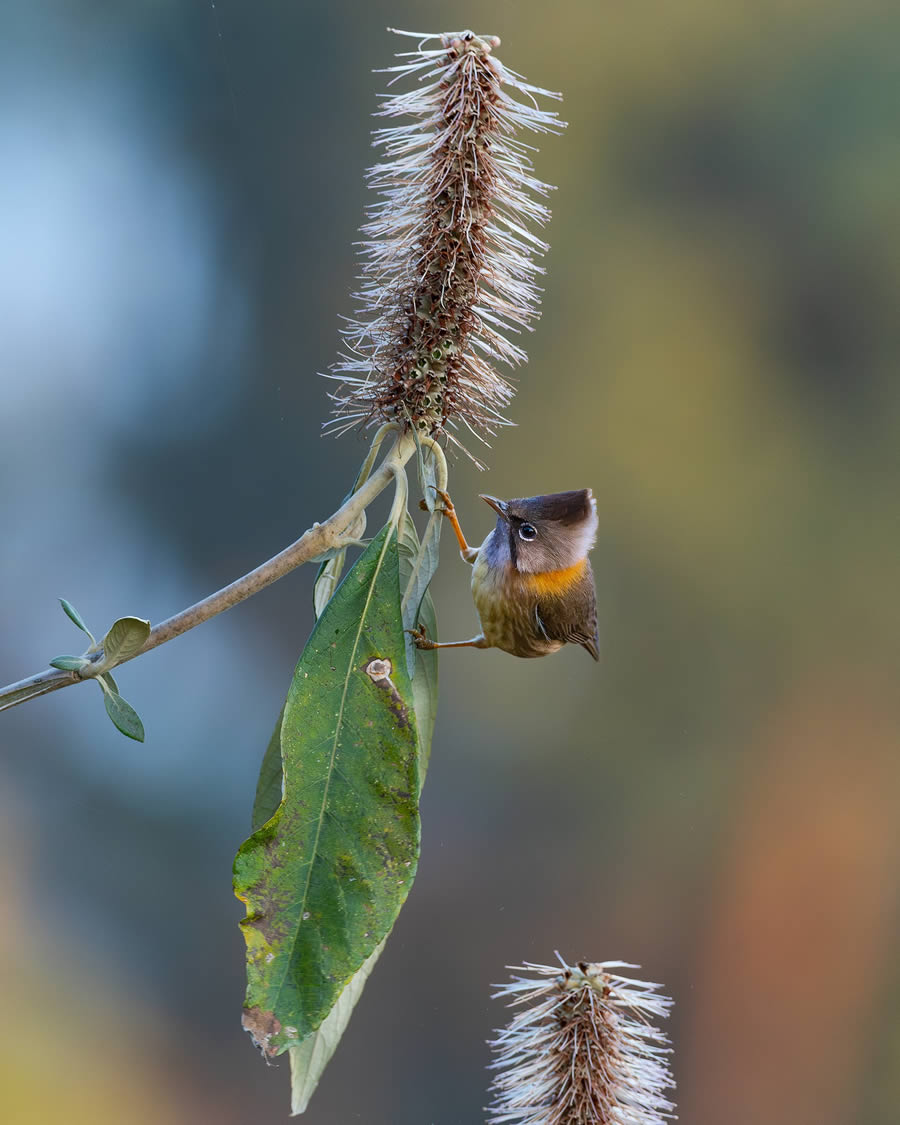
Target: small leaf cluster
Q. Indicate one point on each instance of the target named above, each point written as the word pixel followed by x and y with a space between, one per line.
pixel 124 639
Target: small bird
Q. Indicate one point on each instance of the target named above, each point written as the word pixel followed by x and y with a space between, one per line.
pixel 531 580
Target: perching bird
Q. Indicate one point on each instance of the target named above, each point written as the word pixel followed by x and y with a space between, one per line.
pixel 532 581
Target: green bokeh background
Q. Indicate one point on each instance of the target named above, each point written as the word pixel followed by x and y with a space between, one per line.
pixel 716 359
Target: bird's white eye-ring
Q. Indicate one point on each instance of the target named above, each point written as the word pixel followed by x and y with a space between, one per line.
pixel 527 532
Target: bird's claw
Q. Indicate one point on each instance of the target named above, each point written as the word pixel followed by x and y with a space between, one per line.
pixel 444 497
pixel 420 638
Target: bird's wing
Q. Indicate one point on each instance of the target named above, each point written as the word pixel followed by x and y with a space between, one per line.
pixel 572 618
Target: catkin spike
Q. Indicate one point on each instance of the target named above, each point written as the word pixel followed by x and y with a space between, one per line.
pixel 449 266
pixel 581 1049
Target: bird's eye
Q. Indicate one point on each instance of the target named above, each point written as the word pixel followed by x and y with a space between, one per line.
pixel 527 532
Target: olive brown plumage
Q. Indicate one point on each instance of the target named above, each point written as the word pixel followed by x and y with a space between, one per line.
pixel 531 580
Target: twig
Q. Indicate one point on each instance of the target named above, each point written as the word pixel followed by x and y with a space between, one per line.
pixel 319 539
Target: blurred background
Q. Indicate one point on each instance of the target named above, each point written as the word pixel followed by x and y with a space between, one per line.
pixel 718 801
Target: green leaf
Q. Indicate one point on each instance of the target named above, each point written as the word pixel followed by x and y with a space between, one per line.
pixel 330 571
pixel 68 663
pixel 425 472
pixel 75 617
pixel 333 561
pixel 324 878
pixel 417 567
pixel 425 688
pixel 309 1060
pixel 269 785
pixel 123 715
pixel 419 562
pixel 125 639
pixel 327 580
pixel 107 678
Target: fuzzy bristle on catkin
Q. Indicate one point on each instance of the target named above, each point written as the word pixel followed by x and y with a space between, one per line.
pixel 449 257
pixel 581 1050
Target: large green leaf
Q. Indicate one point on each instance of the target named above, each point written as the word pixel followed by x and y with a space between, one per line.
pixel 324 878
pixel 309 1059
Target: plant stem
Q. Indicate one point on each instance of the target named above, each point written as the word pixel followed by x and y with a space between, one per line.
pixel 320 538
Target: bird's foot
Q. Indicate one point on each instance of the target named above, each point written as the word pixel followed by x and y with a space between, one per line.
pixel 446 503
pixel 420 638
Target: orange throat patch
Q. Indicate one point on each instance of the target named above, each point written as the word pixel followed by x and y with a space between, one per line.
pixel 554 583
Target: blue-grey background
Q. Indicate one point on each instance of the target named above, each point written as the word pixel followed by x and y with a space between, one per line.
pixel 181 184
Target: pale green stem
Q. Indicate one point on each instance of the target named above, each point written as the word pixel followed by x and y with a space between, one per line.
pixel 330 535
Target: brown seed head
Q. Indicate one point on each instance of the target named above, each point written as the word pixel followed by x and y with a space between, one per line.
pixel 448 259
pixel 581 1051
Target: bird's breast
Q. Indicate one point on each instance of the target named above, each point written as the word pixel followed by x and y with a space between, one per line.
pixel 506 602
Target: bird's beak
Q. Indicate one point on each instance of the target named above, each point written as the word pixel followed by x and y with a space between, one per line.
pixel 498 505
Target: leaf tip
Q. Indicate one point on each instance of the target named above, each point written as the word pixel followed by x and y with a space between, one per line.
pixel 75 617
